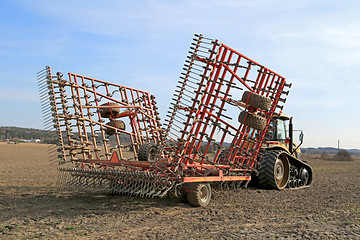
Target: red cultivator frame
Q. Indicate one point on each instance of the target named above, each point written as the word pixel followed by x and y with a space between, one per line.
pixel 79 108
pixel 218 79
pixel 95 148
pixel 218 120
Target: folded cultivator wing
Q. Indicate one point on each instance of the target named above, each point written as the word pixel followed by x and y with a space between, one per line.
pixel 110 136
pixel 100 127
pixel 222 97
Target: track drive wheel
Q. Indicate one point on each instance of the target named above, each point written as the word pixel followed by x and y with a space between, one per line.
pixel 199 194
pixel 251 120
pixel 147 152
pixel 116 124
pixel 256 100
pixel 304 176
pixel 107 112
pixel 274 169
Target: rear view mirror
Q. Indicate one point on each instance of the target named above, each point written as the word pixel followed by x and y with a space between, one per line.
pixel 301 137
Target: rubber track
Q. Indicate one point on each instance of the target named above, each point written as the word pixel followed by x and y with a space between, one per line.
pixel 266 175
pixel 299 163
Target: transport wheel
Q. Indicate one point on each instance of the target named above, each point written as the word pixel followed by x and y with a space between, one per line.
pixel 274 170
pixel 107 112
pixel 199 194
pixel 117 124
pixel 147 152
pixel 183 196
pixel 256 100
pixel 251 120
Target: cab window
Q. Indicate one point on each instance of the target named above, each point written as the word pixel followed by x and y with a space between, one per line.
pixel 281 130
pixel 272 131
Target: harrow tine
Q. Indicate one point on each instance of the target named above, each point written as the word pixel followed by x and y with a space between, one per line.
pixel 46 111
pixel 42 78
pixel 43 87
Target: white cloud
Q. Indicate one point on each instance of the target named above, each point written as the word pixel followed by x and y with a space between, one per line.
pixel 338 44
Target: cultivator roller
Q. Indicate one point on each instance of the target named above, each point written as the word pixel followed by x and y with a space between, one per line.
pixel 218 120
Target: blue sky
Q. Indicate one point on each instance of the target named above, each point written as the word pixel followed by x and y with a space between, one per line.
pixel 143 44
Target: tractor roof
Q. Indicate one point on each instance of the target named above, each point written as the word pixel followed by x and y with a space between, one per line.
pixel 281 116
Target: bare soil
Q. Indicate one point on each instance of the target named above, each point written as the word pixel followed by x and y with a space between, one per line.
pixel 31 206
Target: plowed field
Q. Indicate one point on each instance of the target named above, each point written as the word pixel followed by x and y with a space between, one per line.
pixel 31 206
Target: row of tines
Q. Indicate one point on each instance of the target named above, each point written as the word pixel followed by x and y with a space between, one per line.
pixel 128 182
pixel 49 108
pixel 192 81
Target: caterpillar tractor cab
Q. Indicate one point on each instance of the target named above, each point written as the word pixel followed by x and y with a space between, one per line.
pixel 280 166
pixel 281 136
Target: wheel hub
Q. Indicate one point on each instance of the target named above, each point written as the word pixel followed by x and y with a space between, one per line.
pixel 204 194
pixel 279 170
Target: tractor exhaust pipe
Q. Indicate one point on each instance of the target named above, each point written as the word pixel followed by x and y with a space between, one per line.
pixel 291 136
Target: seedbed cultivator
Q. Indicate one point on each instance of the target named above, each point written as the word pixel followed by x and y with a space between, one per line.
pixel 219 118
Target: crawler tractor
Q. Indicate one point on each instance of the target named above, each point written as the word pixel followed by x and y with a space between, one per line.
pixel 281 166
pixel 224 127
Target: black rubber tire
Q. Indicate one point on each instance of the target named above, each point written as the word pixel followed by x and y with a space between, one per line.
pixel 183 196
pixel 251 120
pixel 222 155
pixel 117 124
pixel 274 170
pixel 147 152
pixel 199 194
pixel 256 100
pixel 107 112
